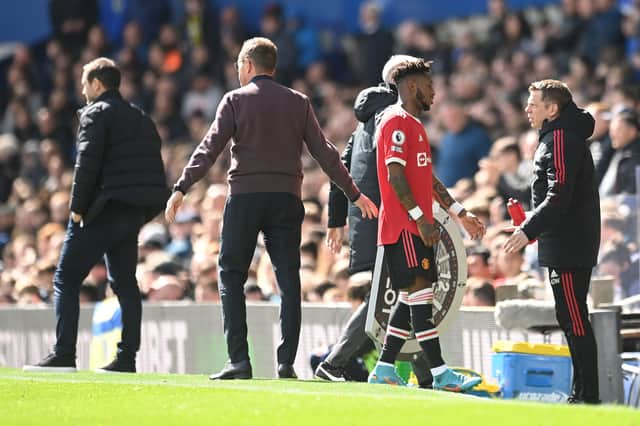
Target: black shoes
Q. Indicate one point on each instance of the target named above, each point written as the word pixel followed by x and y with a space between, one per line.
pixel 231 371
pixel 54 364
pixel 573 400
pixel 586 400
pixel 286 371
pixel 242 370
pixel 119 365
pixel 326 371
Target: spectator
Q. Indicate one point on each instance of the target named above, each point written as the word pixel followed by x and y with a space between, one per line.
pixel 199 26
pixel 504 172
pixel 9 164
pixel 207 292
pixel 88 294
pixel 509 268
pixel 202 98
pixel 564 36
pixel 478 264
pixel 372 46
pixel 462 146
pixel 150 15
pixel 603 28
pixel 253 292
pixel 616 262
pixel 71 21
pixel 165 288
pixel 483 295
pixel 272 26
pixel 600 141
pixel 307 41
pixel 620 176
pixel 181 231
pixel 29 295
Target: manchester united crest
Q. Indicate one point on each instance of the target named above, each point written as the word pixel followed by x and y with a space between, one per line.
pixel 425 264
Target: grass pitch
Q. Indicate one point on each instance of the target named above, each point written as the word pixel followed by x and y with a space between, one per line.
pixel 87 398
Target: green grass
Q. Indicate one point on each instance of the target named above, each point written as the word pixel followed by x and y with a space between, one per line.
pixel 87 398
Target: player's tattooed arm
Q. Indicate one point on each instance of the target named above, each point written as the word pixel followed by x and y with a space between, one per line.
pixel 441 194
pixel 398 181
pixel 400 186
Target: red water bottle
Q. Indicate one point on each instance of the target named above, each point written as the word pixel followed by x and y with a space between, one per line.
pixel 515 211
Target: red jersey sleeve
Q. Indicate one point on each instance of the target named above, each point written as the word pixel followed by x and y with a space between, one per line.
pixel 395 139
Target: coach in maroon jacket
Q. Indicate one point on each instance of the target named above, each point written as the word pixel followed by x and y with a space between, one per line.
pixel 268 124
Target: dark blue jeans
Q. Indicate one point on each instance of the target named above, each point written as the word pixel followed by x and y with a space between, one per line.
pixel 114 235
pixel 279 216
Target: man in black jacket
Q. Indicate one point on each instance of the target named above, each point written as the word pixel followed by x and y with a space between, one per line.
pixel 119 184
pixel 565 220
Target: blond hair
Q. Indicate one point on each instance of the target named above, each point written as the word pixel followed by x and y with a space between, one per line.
pixel 105 70
pixel 261 51
pixel 553 91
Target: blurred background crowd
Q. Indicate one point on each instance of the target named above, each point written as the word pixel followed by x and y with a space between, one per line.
pixel 177 64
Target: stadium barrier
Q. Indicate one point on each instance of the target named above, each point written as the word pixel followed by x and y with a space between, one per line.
pixel 182 337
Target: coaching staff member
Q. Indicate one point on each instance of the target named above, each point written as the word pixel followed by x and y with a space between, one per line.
pixel 119 184
pixel 565 220
pixel 268 124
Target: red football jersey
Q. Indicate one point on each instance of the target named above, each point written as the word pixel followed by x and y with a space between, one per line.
pixel 401 139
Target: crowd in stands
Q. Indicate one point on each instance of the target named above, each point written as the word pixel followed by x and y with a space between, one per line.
pixel 177 66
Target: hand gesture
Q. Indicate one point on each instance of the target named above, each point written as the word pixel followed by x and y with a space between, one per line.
pixel 334 239
pixel 516 241
pixel 473 225
pixel 428 232
pixel 366 206
pixel 174 203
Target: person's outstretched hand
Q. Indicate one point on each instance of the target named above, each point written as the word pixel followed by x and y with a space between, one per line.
pixel 366 206
pixel 174 203
pixel 334 239
pixel 473 226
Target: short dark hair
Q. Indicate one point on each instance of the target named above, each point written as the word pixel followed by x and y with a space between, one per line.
pixel 554 91
pixel 630 118
pixel 486 293
pixel 105 70
pixel 358 292
pixel 262 52
pixel 504 145
pixel 408 68
pixel 482 252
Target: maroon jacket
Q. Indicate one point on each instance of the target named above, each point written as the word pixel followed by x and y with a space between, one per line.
pixel 268 123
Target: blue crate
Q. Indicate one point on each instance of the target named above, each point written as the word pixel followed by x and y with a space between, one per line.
pixel 533 377
pixel 631 378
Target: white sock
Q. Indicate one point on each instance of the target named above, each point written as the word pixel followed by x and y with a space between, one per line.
pixel 439 370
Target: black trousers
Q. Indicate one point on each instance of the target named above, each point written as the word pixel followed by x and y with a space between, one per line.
pixel 278 215
pixel 570 288
pixel 114 235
